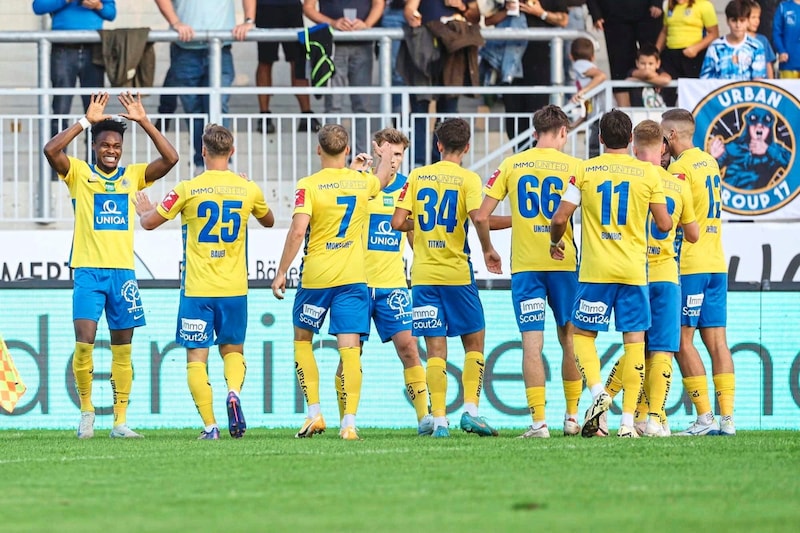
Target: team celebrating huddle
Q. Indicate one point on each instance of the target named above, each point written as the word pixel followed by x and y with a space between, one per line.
pixel 651 252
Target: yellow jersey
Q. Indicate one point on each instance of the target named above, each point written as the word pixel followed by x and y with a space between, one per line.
pixel 103 205
pixel 685 25
pixel 701 172
pixel 336 200
pixel 534 181
pixel 384 246
pixel 215 207
pixel 662 247
pixel 616 193
pixel 440 198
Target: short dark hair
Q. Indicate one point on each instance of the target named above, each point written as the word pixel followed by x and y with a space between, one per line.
pixel 550 118
pixel 454 134
pixel 109 124
pixel 582 48
pixel 737 9
pixel 615 129
pixel 648 50
pixel 333 139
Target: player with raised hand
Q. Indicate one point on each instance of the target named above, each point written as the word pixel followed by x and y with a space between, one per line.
pixel 616 192
pixel 215 207
pixel 330 211
pixel 436 204
pixel 534 181
pixel 704 281
pixel 102 245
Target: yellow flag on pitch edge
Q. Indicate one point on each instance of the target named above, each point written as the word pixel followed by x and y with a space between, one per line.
pixel 11 386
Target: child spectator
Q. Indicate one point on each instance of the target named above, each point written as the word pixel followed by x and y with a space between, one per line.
pixel 648 69
pixel 786 38
pixel 737 56
pixel 752 31
pixel 587 77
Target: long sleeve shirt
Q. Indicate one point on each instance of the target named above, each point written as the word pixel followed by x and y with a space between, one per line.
pixel 73 16
pixel 786 34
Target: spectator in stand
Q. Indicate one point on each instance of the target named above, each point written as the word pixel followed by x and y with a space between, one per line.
pixel 282 14
pixel 189 63
pixel 576 21
pixel 627 25
pixel 535 62
pixel 752 31
pixel 393 18
pixel 353 60
pixel 737 56
pixel 689 27
pixel 648 69
pixel 70 62
pixel 786 38
pixel 768 8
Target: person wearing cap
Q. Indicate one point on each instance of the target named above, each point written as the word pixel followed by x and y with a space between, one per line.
pixel 755 158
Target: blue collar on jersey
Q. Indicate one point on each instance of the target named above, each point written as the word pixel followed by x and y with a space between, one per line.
pixel 114 177
pixel 398 183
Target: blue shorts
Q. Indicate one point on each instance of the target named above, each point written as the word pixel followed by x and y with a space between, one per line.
pixel 348 304
pixel 704 300
pixel 446 310
pixel 528 293
pixel 594 302
pixel 664 334
pixel 200 318
pixel 390 310
pixel 112 289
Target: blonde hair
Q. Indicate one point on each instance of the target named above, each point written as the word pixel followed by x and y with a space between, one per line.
pixel 333 139
pixel 217 140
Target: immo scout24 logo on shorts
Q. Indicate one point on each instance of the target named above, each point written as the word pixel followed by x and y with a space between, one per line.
pixel 747 127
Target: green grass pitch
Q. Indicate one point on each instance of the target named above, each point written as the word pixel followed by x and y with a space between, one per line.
pixel 395 481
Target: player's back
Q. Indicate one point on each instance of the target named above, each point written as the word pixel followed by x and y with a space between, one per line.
pixel 215 207
pixel 440 198
pixel 701 171
pixel 616 192
pixel 336 200
pixel 663 246
pixel 534 181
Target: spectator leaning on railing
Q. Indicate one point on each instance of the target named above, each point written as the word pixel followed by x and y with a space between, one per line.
pixel 70 62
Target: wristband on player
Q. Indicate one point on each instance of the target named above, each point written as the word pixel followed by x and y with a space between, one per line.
pixel 85 124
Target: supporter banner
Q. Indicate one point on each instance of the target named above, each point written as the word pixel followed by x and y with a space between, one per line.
pixel 750 128
pixel 756 252
pixel 38 330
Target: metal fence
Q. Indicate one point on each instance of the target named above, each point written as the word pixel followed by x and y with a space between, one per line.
pixel 275 161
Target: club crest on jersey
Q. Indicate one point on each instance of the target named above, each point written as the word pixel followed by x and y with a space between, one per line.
pixel 747 128
pixel 300 198
pixel 169 200
pixel 493 177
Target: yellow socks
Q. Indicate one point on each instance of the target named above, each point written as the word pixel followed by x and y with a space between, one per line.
pixel 305 366
pixel 572 394
pixel 351 378
pixel 121 380
pixel 536 401
pixel 437 385
pixel 725 385
pixel 235 368
pixel 197 377
pixel 587 359
pixel 82 367
pixel 697 389
pixel 417 389
pixel 632 375
pixel 614 381
pixel 472 377
pixel 643 404
pixel 659 380
pixel 341 397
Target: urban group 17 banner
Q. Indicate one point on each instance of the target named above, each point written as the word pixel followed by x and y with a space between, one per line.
pixel 750 128
pixel 38 330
